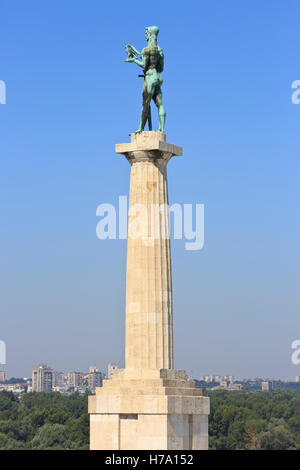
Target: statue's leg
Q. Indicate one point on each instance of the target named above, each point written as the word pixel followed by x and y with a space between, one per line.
pixel 150 118
pixel 161 110
pixel 146 107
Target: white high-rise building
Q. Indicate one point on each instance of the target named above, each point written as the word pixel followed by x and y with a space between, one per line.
pixel 95 378
pixel 111 369
pixel 75 379
pixel 58 379
pixel 42 378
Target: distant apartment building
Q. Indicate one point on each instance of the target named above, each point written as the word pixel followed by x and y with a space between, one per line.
pixel 75 379
pixel 42 378
pixel 266 386
pixel 2 376
pixel 95 378
pixel 58 379
pixel 230 378
pixel 234 386
pixel 298 378
pixel 223 383
pixel 218 378
pixel 28 384
pixel 111 368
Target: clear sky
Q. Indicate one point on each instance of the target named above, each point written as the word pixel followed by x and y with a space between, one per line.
pixel 229 67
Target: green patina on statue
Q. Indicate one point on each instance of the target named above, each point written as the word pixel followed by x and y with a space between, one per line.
pixel 151 59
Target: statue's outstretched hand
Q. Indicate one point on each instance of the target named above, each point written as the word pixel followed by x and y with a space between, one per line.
pixel 131 51
pixel 129 59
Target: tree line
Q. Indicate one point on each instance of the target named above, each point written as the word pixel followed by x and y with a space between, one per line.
pixel 254 420
pixel 43 421
pixel 238 420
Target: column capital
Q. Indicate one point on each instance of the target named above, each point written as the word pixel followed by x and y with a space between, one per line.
pixel 148 146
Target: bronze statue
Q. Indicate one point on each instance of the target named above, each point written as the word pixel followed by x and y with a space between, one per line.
pixel 151 59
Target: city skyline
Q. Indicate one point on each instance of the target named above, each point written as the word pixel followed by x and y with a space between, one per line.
pixel 45 378
pixel 108 370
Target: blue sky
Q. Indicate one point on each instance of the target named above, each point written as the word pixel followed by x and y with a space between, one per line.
pixel 227 91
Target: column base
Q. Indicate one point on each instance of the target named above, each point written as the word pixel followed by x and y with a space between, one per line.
pixel 161 412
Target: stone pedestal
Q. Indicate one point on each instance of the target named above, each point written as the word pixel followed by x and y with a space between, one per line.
pixel 148 405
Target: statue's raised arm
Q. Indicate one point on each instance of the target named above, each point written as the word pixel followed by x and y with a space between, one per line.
pixel 151 60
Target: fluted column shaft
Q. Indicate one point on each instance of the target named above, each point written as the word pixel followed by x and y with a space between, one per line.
pixel 149 316
pixel 149 312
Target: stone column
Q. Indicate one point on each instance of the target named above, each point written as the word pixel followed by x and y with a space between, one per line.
pixel 149 315
pixel 148 405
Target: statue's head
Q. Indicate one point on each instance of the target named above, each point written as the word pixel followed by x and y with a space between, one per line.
pixel 151 33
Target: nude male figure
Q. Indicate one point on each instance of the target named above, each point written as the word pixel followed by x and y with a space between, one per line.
pixel 152 62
